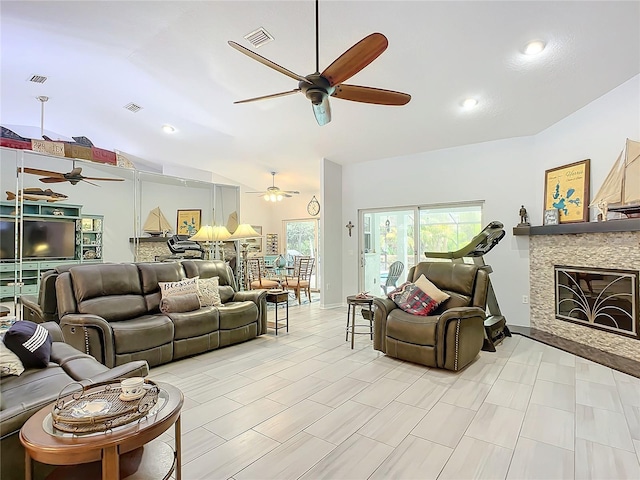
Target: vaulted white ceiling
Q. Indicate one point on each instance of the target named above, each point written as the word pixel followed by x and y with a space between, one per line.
pixel 172 58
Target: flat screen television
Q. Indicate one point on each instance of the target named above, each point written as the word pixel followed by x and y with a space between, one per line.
pixel 43 239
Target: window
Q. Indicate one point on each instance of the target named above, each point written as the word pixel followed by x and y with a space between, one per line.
pixel 447 228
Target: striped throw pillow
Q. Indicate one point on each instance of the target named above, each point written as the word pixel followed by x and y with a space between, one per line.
pixel 31 342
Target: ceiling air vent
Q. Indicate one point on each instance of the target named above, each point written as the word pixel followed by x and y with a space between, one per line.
pixel 38 79
pixel 259 37
pixel 132 107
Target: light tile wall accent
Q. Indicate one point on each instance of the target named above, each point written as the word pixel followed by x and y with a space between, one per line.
pixel 602 250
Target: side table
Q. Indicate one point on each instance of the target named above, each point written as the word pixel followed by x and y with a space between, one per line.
pixel 47 445
pixel 278 297
pixel 352 302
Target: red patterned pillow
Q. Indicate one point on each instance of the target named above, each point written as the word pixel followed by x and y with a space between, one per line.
pixel 413 300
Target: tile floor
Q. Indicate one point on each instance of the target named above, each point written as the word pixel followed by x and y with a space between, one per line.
pixel 304 405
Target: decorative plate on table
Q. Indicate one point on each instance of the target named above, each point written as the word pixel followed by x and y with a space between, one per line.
pixel 90 408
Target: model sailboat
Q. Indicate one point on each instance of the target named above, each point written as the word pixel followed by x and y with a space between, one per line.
pixel 156 223
pixel 620 191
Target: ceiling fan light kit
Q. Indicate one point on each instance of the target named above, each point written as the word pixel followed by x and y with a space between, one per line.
pixel 318 87
pixel 274 194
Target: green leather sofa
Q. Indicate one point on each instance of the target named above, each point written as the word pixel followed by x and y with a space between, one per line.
pixel 112 311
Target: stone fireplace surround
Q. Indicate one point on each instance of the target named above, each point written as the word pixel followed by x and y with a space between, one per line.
pixel 614 244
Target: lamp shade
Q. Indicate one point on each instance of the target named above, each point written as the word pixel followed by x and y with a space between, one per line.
pixel 207 233
pixel 243 231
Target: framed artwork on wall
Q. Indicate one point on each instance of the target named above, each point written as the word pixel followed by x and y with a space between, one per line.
pixel 566 189
pixel 188 222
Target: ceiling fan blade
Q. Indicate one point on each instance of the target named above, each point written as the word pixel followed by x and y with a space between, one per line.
pixel 84 179
pixel 267 62
pixel 322 111
pixel 104 179
pixel 274 95
pixel 36 171
pixel 356 58
pixel 377 96
pixel 53 179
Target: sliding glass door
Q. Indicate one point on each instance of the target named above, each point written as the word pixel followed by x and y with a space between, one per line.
pixel 404 234
pixel 388 236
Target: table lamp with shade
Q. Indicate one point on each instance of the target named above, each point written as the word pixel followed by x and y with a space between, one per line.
pixel 209 234
pixel 243 233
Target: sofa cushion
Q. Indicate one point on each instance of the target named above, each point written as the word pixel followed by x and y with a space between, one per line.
pixel 415 329
pixel 196 323
pixel 142 333
pixel 109 279
pixel 413 300
pixel 208 291
pixel 24 395
pixel 237 314
pixel 114 308
pixel 226 293
pixel 180 303
pixel 151 274
pixel 31 342
pixel 10 363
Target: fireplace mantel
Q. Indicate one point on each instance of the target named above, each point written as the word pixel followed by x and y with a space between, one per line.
pixel 624 225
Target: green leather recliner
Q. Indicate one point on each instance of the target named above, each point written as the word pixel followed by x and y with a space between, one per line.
pixel 453 335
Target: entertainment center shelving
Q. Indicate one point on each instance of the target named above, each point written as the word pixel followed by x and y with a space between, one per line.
pixel 81 242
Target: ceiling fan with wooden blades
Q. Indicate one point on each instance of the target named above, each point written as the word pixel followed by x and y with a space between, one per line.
pixel 318 87
pixel 73 177
pixel 274 194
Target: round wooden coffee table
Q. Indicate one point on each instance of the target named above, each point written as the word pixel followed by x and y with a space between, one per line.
pixel 46 445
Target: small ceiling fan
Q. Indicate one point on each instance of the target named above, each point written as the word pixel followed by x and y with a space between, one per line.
pixel 274 194
pixel 318 87
pixel 73 177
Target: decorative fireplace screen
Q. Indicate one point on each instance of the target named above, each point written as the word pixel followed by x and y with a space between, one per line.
pixel 600 298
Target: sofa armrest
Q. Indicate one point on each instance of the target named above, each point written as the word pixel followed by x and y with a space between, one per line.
pixel 383 307
pixel 451 344
pixel 54 330
pixel 90 334
pixel 31 310
pixel 259 297
pixel 136 368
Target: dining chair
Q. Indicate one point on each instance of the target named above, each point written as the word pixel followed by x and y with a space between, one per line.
pixel 301 278
pixel 257 275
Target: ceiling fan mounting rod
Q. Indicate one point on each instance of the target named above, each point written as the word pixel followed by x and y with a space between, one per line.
pixel 317 42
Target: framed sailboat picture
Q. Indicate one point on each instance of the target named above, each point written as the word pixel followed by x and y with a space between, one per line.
pixel 566 189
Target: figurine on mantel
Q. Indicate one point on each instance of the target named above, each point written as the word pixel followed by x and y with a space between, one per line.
pixel 523 217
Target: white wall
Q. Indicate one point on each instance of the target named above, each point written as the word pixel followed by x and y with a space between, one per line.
pixel 598 132
pixel 498 173
pixel 505 174
pixel 331 235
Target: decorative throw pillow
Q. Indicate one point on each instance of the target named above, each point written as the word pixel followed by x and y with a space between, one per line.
pixel 413 300
pixel 10 364
pixel 180 303
pixel 424 284
pixel 184 286
pixel 30 342
pixel 209 293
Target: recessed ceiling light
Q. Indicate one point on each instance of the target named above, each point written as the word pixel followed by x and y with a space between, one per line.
pixel 534 47
pixel 469 103
pixel 168 129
